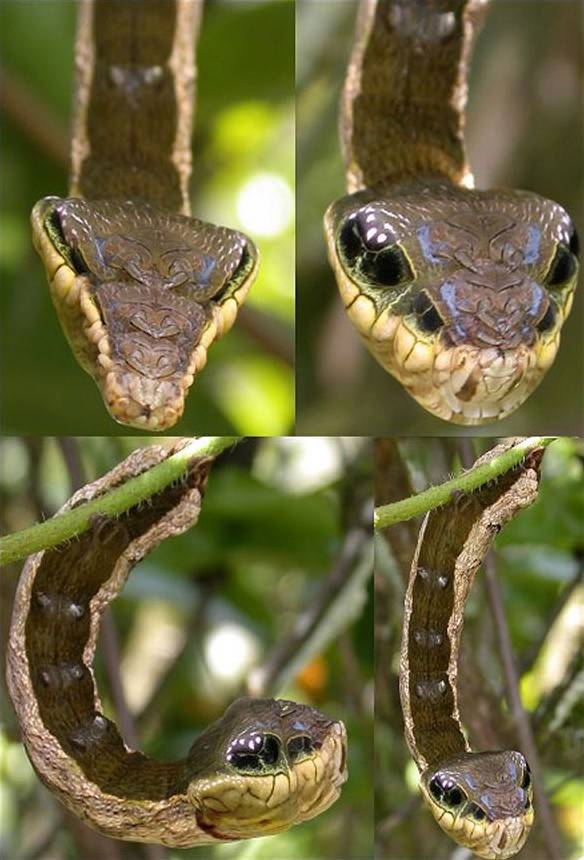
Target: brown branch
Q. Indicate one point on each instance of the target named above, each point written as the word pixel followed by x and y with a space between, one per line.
pixel 403 812
pixel 392 483
pixel 208 584
pixel 269 332
pixel 110 648
pixel 265 679
pixel 72 457
pixel 529 658
pixel 35 122
pixel 555 708
pixel 35 446
pixel 520 716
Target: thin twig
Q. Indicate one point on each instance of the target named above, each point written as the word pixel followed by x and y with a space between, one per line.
pixel 110 648
pixel 35 446
pixel 557 706
pixel 469 480
pixel 208 583
pixel 531 655
pixel 90 844
pixel 70 453
pixel 519 714
pixel 265 679
pixel 64 526
pixel 269 332
pixel 30 116
pixel 399 815
pixel 392 482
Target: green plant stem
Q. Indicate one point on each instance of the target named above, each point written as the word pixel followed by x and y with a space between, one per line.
pixel 62 527
pixel 433 497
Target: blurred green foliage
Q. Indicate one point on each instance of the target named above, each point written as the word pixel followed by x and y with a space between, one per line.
pixel 244 128
pixel 270 530
pixel 524 130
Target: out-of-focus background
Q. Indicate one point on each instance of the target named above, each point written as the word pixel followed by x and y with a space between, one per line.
pixel 284 536
pixel 525 130
pixel 539 564
pixel 243 177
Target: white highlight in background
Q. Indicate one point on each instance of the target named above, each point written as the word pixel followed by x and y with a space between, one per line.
pixel 230 651
pixel 265 204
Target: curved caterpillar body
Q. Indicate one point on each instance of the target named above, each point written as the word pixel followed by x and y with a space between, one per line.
pixel 263 766
pixel 482 800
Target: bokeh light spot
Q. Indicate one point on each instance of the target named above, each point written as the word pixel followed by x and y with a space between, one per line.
pixel 265 204
pixel 230 651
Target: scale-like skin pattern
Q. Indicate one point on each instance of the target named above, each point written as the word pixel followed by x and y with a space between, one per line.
pixel 141 294
pixel 455 291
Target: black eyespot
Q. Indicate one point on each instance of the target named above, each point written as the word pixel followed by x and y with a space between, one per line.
pixel 526 781
pixel 574 242
pixel 245 761
pixel 72 254
pixel 53 222
pixel 349 240
pixel 386 268
pixel 298 746
pixel 446 791
pixel 429 319
pixel 547 320
pixel 475 811
pixel 563 267
pixel 77 261
pixel 270 750
pixel 253 752
pixel 382 264
pixel 242 271
pixel 454 797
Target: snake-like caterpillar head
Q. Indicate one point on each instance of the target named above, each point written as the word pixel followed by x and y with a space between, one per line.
pixel 482 800
pixel 141 294
pixel 460 294
pixel 265 765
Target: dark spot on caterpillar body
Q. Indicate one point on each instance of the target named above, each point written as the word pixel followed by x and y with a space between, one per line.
pixel 61 676
pixel 433 691
pixel 428 638
pixel 58 605
pixel 433 579
pixel 90 733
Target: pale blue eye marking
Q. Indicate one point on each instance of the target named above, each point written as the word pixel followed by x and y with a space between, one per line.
pixel 205 274
pixel 531 252
pixel 536 297
pixel 429 248
pixel 99 243
pixel 448 295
